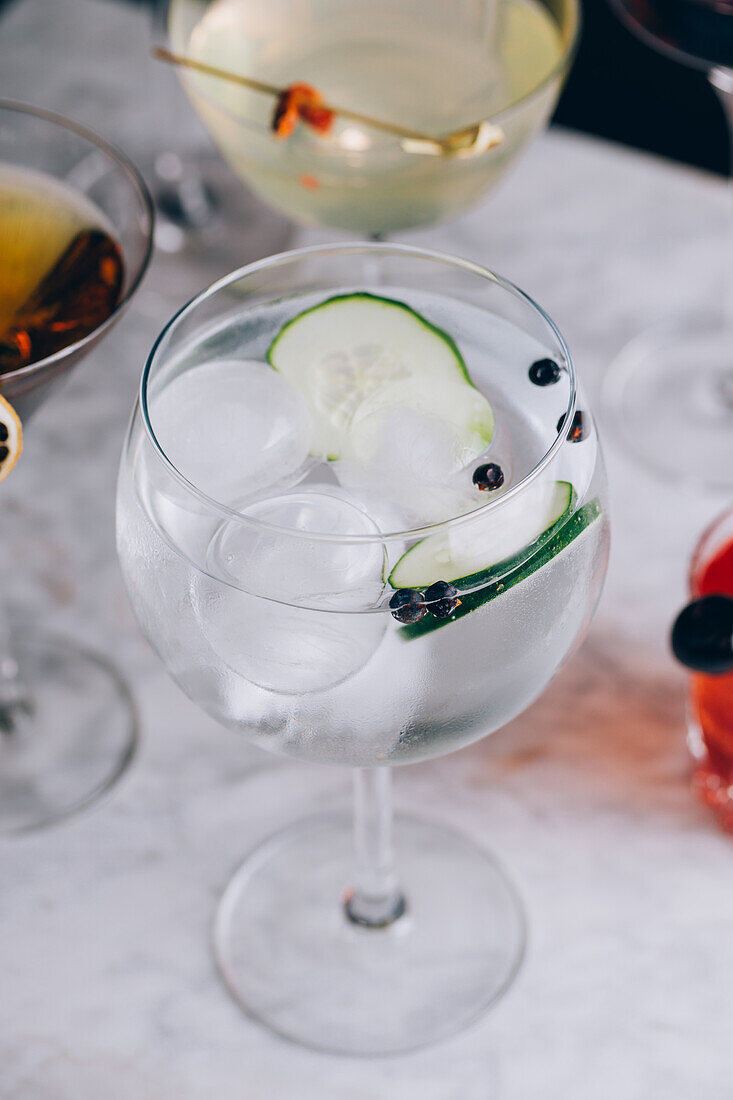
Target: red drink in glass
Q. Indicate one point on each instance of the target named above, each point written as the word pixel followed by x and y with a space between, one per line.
pixel 711 696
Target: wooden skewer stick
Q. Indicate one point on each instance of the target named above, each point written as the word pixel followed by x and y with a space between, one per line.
pixel 471 139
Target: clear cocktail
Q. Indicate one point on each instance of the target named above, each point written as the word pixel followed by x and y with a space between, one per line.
pixel 362 520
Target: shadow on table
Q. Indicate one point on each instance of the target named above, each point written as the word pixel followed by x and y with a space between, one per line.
pixel 609 731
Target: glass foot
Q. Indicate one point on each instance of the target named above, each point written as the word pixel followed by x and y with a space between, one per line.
pixel 67 737
pixel 669 395
pixel 294 961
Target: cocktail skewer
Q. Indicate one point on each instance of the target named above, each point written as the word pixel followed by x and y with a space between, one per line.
pixel 469 140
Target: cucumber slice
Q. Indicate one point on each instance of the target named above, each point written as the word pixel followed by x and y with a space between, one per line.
pixel 350 347
pixel 470 601
pixel 486 546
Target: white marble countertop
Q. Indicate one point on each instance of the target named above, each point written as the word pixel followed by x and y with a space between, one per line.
pixel 107 987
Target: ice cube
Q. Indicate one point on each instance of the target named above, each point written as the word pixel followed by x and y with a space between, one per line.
pixel 232 427
pixel 285 649
pixel 404 441
pixel 293 613
pixel 282 563
pixel 401 499
pixel 414 458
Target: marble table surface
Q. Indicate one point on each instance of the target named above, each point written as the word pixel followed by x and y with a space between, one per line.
pixel 107 987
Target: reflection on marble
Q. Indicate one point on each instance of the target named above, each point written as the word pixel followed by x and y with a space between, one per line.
pixel 108 988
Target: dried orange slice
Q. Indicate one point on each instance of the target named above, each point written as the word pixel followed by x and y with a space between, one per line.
pixel 11 438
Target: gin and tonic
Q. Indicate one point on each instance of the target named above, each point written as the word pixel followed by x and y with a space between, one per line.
pixel 362 520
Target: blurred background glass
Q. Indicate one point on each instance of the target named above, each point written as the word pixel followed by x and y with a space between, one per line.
pixel 620 90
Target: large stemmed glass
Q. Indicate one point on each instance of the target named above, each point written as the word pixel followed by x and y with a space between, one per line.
pixel 67 723
pixel 670 391
pixel 432 67
pixel 408 933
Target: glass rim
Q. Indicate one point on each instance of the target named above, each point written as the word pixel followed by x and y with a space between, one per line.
pixel 568 49
pixel 654 42
pixel 282 259
pixel 122 161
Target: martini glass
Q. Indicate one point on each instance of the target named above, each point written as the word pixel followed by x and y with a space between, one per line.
pixel 432 67
pixel 268 605
pixel 67 723
pixel 670 391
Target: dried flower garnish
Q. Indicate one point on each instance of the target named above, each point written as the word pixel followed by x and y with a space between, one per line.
pixel 301 103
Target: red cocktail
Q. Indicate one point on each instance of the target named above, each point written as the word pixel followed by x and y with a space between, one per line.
pixel 703 639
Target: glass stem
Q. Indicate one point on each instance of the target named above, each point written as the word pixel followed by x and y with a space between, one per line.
pixel 721 81
pixel 13 696
pixel 376 899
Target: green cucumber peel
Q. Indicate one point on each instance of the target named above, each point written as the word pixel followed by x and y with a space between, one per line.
pixel 470 601
pixel 480 577
pixel 365 294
